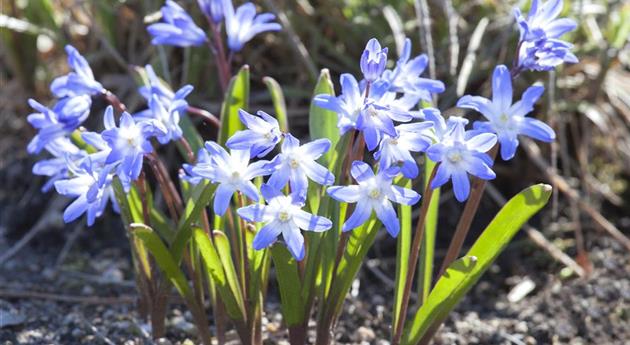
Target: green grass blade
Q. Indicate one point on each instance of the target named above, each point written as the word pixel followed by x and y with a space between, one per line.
pixel 402 256
pixel 229 293
pixel 360 241
pixel 427 249
pixel 163 258
pixel 323 123
pixel 236 97
pixel 465 272
pixel 200 198
pixel 279 104
pixel 290 285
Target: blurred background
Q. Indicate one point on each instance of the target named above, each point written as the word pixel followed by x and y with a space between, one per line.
pixel 563 280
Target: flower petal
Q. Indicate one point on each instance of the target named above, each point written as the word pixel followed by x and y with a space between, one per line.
pixel 222 198
pixel 387 215
pixel 266 235
pixel 307 221
pixel 345 193
pixel 362 212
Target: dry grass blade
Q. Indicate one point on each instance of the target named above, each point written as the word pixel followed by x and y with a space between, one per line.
pixel 471 55
pixel 534 154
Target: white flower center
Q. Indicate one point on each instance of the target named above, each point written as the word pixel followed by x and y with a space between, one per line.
pixel 284 216
pixel 294 163
pixel 235 177
pixel 454 157
pixel 375 193
pixel 372 112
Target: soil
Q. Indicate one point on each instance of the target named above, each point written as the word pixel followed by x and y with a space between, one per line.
pixel 89 299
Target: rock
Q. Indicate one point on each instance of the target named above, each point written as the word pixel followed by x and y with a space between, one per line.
pixel 365 334
pixel 10 318
pixel 163 341
pixel 180 323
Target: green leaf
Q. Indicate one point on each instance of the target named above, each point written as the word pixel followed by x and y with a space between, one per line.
pixel 427 249
pixel 360 241
pixel 163 258
pixel 200 198
pixel 236 97
pixel 222 244
pixel 323 123
pixel 465 272
pixel 402 256
pixel 279 104
pixel 215 269
pixel 290 285
pixel 622 29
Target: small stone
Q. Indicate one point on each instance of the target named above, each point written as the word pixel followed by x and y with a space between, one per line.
pixel 180 323
pixel 521 327
pixel 76 333
pixel 365 334
pixel 113 274
pixel 163 341
pixel 8 319
pixel 87 290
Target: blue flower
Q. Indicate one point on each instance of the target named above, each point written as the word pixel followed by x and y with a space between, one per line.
pixel 165 106
pixel 540 46
pixel 128 143
pixel 156 87
pixel 347 105
pixel 78 82
pixel 58 122
pixel 541 22
pixel 373 60
pixel 283 214
pixel 405 77
pixel 178 29
pixel 91 187
pixel 374 192
pixel 505 119
pixel 213 9
pixel 187 173
pixel 373 115
pixel 377 116
pixel 460 154
pixel 232 172
pixel 167 117
pixel 545 54
pixel 56 168
pixel 242 25
pixel 396 151
pixel 298 163
pixel 260 138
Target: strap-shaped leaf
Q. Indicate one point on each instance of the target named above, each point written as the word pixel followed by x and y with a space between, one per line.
pixel 290 285
pixel 427 249
pixel 323 123
pixel 360 241
pixel 279 104
pixel 163 258
pixel 200 197
pixel 402 256
pixel 464 273
pixel 236 97
pixel 230 293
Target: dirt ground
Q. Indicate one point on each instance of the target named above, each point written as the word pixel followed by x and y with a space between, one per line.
pixel 87 297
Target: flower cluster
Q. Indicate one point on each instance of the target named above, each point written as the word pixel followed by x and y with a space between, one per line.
pixel 118 151
pixel 540 47
pixel 241 24
pixel 291 169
